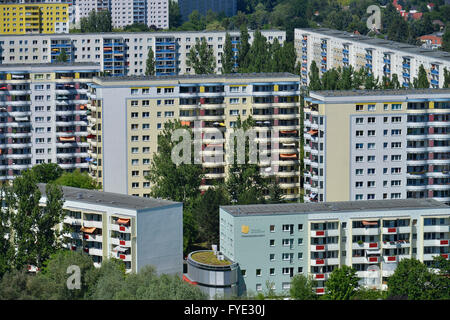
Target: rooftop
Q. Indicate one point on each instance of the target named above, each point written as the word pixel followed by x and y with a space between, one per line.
pixel 53 65
pixel 376 42
pixel 381 92
pixel 325 207
pixel 201 76
pixel 110 199
pixel 209 258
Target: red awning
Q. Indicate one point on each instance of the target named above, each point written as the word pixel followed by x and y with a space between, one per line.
pixel 288 131
pixel 185 123
pixel 66 138
pixel 312 131
pixel 288 155
pixel 370 223
pixel 88 230
pixel 123 221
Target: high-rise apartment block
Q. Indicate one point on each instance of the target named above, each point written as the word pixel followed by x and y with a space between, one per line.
pixel 122 54
pixel 380 144
pixel 138 231
pixel 34 18
pixel 126 12
pixel 333 49
pixel 43 116
pixel 271 243
pixel 128 113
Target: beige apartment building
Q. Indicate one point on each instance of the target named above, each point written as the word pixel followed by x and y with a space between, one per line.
pixel 128 113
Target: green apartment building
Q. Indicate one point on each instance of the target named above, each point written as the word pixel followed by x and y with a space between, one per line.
pixel 272 243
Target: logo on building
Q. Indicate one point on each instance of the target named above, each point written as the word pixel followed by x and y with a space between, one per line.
pixel 374 20
pixel 244 229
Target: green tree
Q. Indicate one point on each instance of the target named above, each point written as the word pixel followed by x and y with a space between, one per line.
pixel 201 58
pixel 174 15
pixel 276 56
pixel 150 63
pixel 77 179
pixel 421 82
pixel 314 77
pixel 412 279
pixel 228 58
pixel 346 79
pixel 17 285
pixel 62 57
pixel 446 78
pixel 302 288
pixel 446 39
pixel 206 208
pixel 369 294
pixel 47 172
pixel 259 54
pixel 244 47
pixel 275 192
pixel 96 22
pixel 110 281
pixel 342 284
pixel 136 27
pixel 6 212
pixel 53 276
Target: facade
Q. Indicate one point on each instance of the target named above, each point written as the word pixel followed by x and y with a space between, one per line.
pixel 137 231
pixel 381 144
pixel 228 7
pixel 34 18
pixel 126 12
pixel 128 113
pixel 43 116
pixel 275 242
pixel 121 54
pixel 333 49
pixel 212 274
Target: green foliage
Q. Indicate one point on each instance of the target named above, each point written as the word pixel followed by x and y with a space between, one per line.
pixel 314 77
pixel 228 56
pixel 302 288
pixel 243 49
pixel 96 22
pixel 369 294
pixel 342 284
pixel 446 78
pixel 201 58
pixel 421 82
pixel 174 15
pixel 47 172
pixel 206 209
pixel 17 285
pixel 259 53
pixel 77 179
pixel 413 280
pixel 62 57
pixel 136 27
pixel 6 248
pixel 150 63
pixel 446 39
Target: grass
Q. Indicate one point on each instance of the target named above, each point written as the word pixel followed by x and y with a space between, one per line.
pixel 208 257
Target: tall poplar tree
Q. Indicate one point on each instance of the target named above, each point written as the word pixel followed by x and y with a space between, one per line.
pixel 314 77
pixel 244 47
pixel 201 58
pixel 259 54
pixel 421 82
pixel 150 63
pixel 228 56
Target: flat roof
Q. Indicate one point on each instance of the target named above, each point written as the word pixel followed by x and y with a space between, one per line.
pixel 200 76
pixel 110 199
pixel 388 44
pixel 162 32
pixel 380 92
pixel 52 65
pixel 327 207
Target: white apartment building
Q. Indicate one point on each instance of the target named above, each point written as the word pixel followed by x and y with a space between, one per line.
pixel 121 53
pixel 333 49
pixel 138 231
pixel 43 116
pixel 126 12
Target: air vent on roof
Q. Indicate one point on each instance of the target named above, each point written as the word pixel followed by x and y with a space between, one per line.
pixel 79 196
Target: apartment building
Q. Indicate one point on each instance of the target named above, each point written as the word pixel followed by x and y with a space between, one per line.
pixel 138 231
pixel 70 4
pixel 122 54
pixel 128 113
pixel 43 116
pixel 34 18
pixel 127 12
pixel 272 243
pixel 381 144
pixel 229 7
pixel 334 49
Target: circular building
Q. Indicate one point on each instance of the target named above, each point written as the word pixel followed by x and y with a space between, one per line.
pixel 214 274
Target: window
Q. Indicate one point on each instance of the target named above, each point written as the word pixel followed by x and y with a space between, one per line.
pixel 396 145
pixel 396 195
pixel 258 272
pixel 359 159
pixel 272 257
pixel 234 100
pixel 300 227
pixel 396 183
pixel 359 145
pixel 371 120
pixel 359 197
pixel 371 133
pixel 371 146
pixel 359 172
pixel 272 242
pixel 396 170
pixel 272 228
pixel 272 271
pixel 396 106
pixel 359 120
pixel 371 196
pixel 359 107
pixel 396 157
pixel 359 133
pixel 371 184
pixel 358 184
pixel 396 132
pixel 370 158
pixel 371 171
pixel 371 107
pixel 396 119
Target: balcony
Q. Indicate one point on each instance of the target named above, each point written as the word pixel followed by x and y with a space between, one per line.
pixel 120 228
pixel 438 228
pixel 436 243
pixel 366 231
pixel 93 237
pixel 92 224
pixel 324 233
